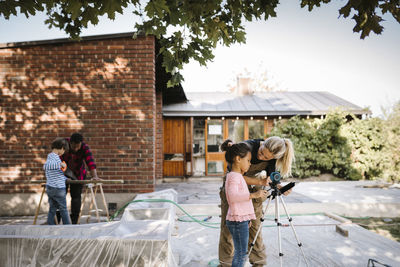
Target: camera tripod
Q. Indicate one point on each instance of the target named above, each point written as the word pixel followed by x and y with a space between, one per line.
pixel 277 195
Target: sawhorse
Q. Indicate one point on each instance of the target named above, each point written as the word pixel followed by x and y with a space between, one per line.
pixel 40 202
pixel 89 187
pixel 97 184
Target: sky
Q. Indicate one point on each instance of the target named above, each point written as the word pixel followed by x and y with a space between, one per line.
pixel 299 50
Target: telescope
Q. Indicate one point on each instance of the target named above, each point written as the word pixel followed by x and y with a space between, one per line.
pixel 275 178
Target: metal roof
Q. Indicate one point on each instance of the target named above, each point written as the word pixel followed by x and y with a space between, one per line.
pixel 259 104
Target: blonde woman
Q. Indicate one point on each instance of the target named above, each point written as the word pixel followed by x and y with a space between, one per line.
pixel 269 155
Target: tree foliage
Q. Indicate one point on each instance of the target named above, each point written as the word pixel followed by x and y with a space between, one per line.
pixel 319 145
pixel 352 149
pixel 391 150
pixel 189 29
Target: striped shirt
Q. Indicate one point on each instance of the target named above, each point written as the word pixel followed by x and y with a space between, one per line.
pixel 75 160
pixel 54 175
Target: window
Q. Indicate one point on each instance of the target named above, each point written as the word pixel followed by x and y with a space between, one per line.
pixel 215 135
pixel 236 130
pixel 256 129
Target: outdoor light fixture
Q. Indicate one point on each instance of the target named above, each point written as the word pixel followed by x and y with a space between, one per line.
pixel 223 118
pixel 208 118
pixel 280 117
pixel 237 118
pixel 251 118
pixel 308 116
pixel 265 118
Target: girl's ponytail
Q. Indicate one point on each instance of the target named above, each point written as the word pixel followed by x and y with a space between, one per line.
pixel 227 143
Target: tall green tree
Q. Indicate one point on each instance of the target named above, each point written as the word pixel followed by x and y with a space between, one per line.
pixel 391 151
pixel 190 29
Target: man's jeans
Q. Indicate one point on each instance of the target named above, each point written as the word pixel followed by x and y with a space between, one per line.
pixel 57 201
pixel 240 236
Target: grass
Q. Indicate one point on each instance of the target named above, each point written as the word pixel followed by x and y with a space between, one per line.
pixel 387 227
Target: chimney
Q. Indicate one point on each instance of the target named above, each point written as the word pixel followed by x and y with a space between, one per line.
pixel 243 86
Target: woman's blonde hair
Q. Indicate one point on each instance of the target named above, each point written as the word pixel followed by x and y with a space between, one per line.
pixel 282 149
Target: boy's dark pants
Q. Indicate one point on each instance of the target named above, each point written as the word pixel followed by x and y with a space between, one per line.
pixel 258 256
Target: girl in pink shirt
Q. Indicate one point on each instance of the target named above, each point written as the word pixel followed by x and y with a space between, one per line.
pixel 241 209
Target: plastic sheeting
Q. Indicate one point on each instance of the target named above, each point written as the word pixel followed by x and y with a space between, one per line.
pixel 195 245
pixel 140 238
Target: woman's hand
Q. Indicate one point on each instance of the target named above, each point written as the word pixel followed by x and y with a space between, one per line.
pixel 265 182
pixel 259 194
pixel 287 192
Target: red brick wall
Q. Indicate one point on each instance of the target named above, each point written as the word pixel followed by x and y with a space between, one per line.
pixel 104 89
pixel 159 138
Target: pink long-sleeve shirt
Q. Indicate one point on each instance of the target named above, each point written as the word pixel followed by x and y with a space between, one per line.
pixel 238 196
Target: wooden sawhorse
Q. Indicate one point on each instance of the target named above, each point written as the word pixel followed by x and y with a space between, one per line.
pixel 89 187
pixel 40 202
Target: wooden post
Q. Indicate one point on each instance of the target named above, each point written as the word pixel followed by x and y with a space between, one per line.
pixel 93 195
pixel 82 205
pixel 104 201
pixel 40 203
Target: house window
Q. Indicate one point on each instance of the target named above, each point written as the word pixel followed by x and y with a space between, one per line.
pixel 236 130
pixel 256 129
pixel 215 167
pixel 215 135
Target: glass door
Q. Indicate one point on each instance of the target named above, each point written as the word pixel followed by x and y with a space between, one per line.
pixel 214 139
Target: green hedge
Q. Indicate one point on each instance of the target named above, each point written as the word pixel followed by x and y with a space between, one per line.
pixel 344 145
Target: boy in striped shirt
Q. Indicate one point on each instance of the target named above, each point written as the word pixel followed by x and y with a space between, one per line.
pixel 55 185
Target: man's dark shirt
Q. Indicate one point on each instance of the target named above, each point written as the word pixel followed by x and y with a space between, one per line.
pixel 75 160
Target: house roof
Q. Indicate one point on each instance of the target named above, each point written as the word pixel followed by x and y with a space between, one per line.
pixel 259 104
pixel 66 40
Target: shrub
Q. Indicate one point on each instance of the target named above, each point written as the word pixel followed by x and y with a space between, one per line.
pixel 344 145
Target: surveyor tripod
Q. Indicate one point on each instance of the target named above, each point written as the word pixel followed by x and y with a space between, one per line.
pixel 277 195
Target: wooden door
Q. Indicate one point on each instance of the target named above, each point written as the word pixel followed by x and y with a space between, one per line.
pixel 174 147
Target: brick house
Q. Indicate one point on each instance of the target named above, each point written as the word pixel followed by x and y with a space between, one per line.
pixel 109 87
pixel 112 89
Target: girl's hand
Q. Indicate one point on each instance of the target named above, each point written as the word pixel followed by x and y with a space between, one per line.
pixel 249 224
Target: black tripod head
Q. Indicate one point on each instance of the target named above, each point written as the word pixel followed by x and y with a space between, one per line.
pixel 275 179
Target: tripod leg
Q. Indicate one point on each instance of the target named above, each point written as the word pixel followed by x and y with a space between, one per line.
pixel 259 228
pixel 278 224
pixel 294 231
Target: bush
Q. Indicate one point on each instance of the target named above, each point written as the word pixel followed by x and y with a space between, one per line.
pixel 391 150
pixel 344 145
pixel 318 145
pixel 366 138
